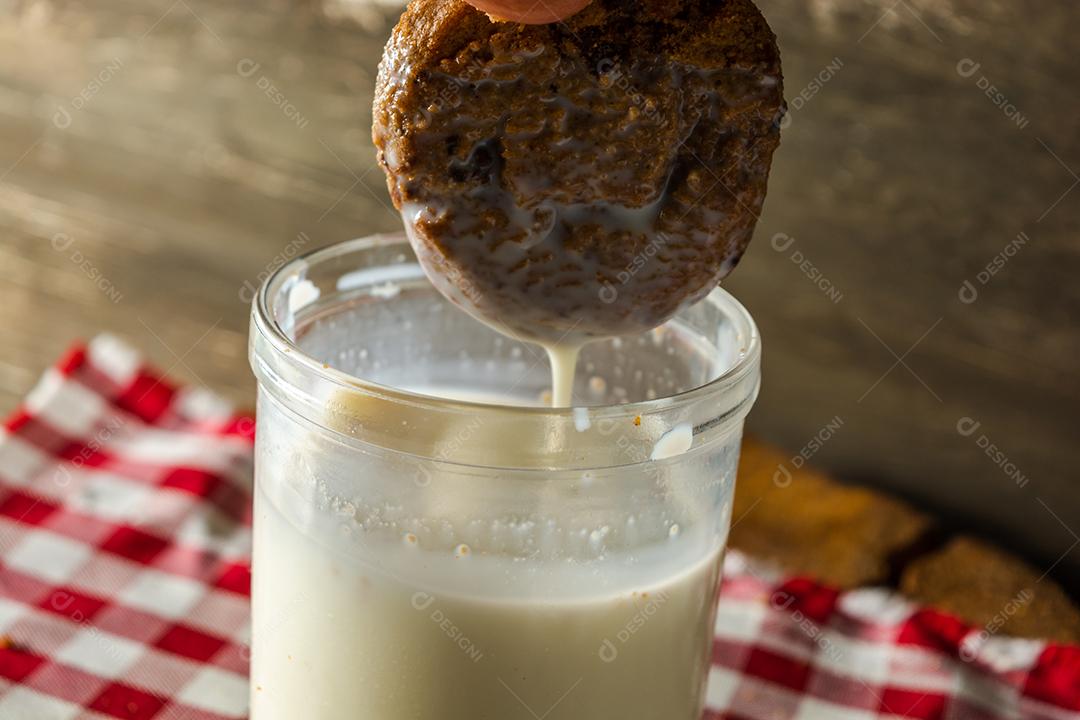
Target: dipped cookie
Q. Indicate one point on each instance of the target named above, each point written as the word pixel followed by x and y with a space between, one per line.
pixel 580 179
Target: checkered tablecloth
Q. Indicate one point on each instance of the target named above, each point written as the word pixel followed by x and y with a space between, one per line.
pixel 124 541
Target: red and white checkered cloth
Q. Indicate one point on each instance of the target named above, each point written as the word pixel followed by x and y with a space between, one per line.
pixel 124 540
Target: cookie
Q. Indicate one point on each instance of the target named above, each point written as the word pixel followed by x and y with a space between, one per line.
pixel 581 179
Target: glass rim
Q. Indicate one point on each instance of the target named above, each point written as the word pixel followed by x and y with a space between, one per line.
pixel 284 348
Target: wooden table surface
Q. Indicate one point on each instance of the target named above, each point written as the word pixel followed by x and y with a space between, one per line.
pixel 156 156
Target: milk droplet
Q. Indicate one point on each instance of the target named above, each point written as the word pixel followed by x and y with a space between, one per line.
pixel 302 294
pixel 462 550
pixel 385 291
pixel 674 442
pixel 581 419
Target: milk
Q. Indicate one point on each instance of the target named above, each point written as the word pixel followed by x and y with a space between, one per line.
pixel 350 629
pixel 378 599
pixel 563 360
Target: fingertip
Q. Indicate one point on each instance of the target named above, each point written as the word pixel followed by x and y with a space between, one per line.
pixel 530 12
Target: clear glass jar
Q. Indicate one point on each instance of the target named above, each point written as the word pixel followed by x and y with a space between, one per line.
pixel 423 552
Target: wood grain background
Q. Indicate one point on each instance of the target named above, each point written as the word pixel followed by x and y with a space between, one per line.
pixel 155 156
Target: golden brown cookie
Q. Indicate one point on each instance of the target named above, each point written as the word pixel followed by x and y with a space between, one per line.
pixel 589 177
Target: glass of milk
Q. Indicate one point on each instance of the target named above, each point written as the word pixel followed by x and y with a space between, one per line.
pixel 433 543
